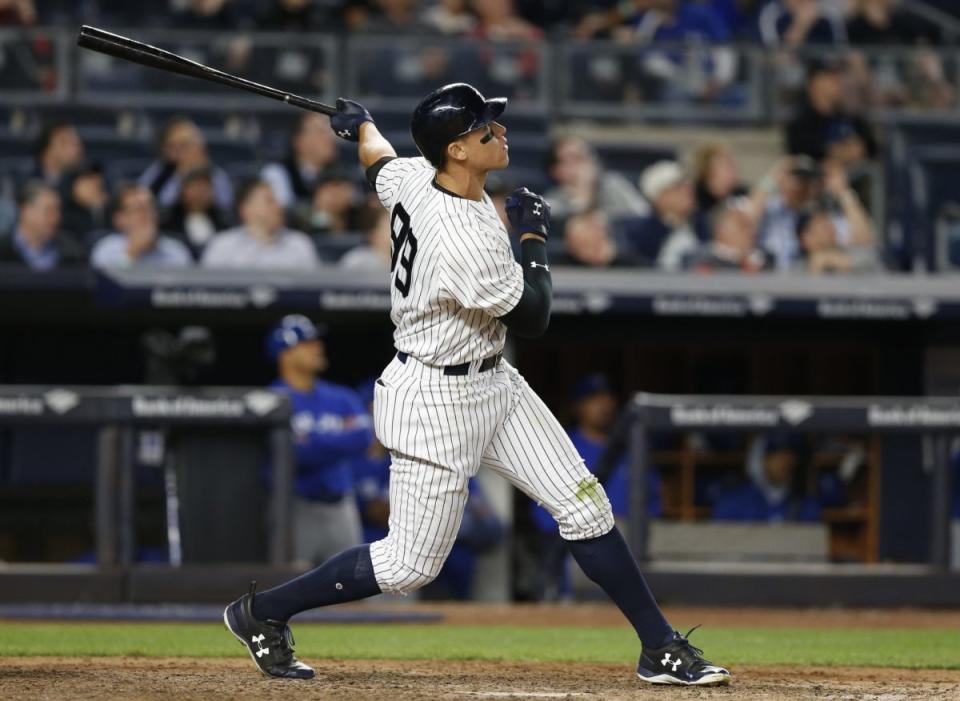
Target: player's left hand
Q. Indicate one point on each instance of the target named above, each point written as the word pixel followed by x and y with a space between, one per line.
pixel 346 122
pixel 528 212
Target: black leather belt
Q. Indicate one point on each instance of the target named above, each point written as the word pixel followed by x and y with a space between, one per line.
pixel 463 368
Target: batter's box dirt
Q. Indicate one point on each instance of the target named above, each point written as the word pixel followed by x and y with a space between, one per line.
pixel 130 679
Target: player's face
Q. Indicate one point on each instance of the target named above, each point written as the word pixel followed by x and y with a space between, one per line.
pixel 486 148
pixel 310 356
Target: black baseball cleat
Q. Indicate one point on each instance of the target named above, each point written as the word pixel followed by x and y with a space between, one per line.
pixel 680 663
pixel 270 643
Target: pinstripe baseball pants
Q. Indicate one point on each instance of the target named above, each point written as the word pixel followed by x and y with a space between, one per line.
pixel 440 430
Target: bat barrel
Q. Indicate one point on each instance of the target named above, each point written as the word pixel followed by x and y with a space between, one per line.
pixel 105 42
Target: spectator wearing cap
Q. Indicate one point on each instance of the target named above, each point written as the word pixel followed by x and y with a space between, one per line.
pixel 183 150
pixel 733 241
pixel 582 183
pixel 668 236
pixel 796 23
pixel 261 240
pixel 331 433
pixel 595 410
pixel 313 150
pixel 37 243
pixel 793 186
pixel 138 241
pixel 798 186
pixel 824 128
pixel 58 150
pixel 195 216
pixel 336 206
pixel 85 202
pixel 772 491
pixel 375 255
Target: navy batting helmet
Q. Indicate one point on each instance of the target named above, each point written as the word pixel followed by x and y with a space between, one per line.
pixel 292 330
pixel 446 114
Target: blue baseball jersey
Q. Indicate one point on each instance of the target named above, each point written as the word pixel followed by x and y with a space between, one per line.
pixel 371 479
pixel 331 432
pixel 616 486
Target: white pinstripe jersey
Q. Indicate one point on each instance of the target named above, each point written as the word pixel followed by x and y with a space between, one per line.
pixel 452 269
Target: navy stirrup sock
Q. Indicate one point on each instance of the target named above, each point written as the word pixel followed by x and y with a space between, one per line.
pixel 344 577
pixel 608 561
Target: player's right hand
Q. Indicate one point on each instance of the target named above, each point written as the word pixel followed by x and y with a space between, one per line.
pixel 346 122
pixel 528 213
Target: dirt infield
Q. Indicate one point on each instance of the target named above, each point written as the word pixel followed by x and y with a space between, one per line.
pixel 129 679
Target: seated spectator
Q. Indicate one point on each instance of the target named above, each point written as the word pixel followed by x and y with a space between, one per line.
pixel 335 207
pixel 733 242
pixel 58 151
pixel 881 23
pixel 18 13
pixel 298 16
pixel 313 150
pixel 823 128
pixel 208 15
pixel 836 234
pixel 85 201
pixel 395 17
pixel 182 150
pixel 770 493
pixel 36 241
pixel 794 186
pixel 588 241
pixel 668 236
pixel 796 23
pixel 497 20
pixel 716 176
pixel 375 255
pixel 582 184
pixel 451 17
pixel 195 216
pixel 821 250
pixel 261 240
pixel 137 241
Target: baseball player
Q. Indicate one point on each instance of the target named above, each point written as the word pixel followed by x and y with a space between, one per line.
pixel 331 431
pixel 448 404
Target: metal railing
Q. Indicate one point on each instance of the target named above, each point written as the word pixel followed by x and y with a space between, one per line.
pixel 692 82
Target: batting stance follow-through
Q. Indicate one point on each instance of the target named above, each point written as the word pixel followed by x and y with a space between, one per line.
pixel 448 404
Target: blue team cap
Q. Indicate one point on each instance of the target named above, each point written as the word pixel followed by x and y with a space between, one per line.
pixel 590 385
pixel 292 329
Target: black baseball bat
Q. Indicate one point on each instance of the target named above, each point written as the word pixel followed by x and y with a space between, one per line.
pixel 128 49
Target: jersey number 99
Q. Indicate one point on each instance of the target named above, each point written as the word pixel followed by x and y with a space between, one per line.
pixel 403 249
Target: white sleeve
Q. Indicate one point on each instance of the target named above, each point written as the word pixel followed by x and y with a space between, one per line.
pixel 478 270
pixel 392 174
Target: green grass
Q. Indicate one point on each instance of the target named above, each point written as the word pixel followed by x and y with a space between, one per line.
pixel 753 646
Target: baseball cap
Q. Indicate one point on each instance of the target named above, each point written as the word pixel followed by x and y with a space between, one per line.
pixel 660 177
pixel 292 330
pixel 589 385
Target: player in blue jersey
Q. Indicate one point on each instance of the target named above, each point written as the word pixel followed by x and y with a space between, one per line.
pixel 331 432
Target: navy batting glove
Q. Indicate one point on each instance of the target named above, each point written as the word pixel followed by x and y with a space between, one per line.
pixel 528 213
pixel 346 122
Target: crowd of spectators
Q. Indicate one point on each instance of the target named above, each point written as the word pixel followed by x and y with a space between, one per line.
pixel 776 23
pixel 695 214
